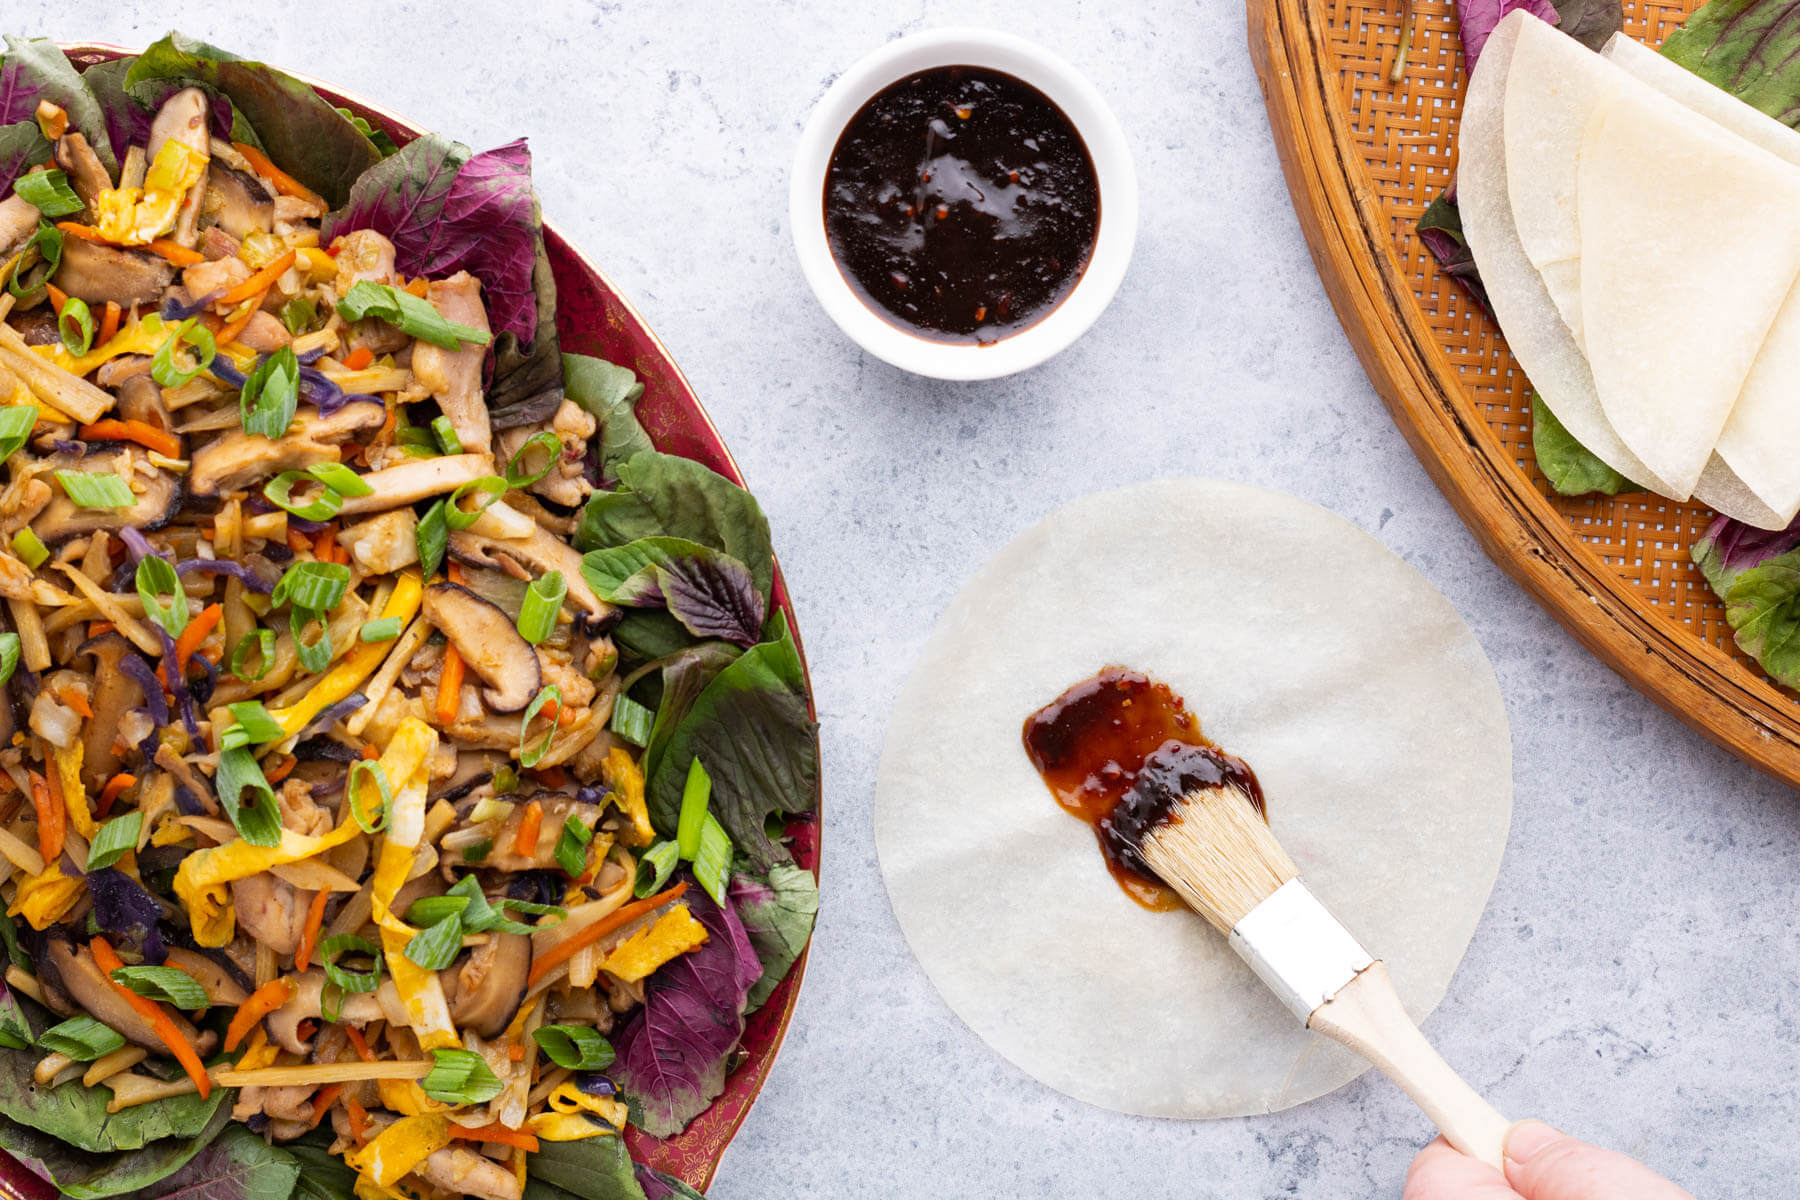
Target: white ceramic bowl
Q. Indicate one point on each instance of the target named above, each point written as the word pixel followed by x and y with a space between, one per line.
pixel 1086 110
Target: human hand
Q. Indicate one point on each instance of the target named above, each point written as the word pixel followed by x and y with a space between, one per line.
pixel 1541 1164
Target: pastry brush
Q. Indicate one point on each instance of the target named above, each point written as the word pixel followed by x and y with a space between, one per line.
pixel 1212 846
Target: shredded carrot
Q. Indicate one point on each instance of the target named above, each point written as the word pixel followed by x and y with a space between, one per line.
pixel 175 252
pixel 418 287
pixel 550 777
pixel 52 821
pixel 369 750
pixel 359 1043
pixel 96 628
pixel 282 769
pixel 195 633
pixel 567 715
pixel 141 432
pixel 496 1132
pixel 529 827
pixel 309 936
pixel 453 571
pixel 554 957
pixel 358 358
pixel 284 183
pixel 151 1011
pixel 58 297
pixel 515 1052
pixel 70 697
pixel 109 322
pixel 325 549
pixel 449 693
pixel 297 541
pixel 259 1004
pixel 86 233
pixel 359 1118
pixel 110 793
pixel 258 283
pixel 227 333
pixel 306 1029
pixel 323 1101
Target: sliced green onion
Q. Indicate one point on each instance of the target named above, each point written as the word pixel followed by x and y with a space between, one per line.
pixel 408 313
pixel 571 847
pixel 384 791
pixel 48 242
pixel 16 424
pixel 9 655
pixel 263 640
pixel 30 548
pixel 90 489
pixel 712 862
pixel 457 517
pixel 477 852
pixel 445 433
pixel 156 578
pixel 258 822
pixel 350 981
pixel 632 721
pixel 429 910
pixel 168 367
pixel 459 1076
pixel 382 629
pixel 414 437
pixel 315 657
pixel 81 1038
pixel 113 839
pixel 314 586
pixel 481 917
pixel 341 479
pixel 506 780
pixel 436 947
pixel 574 1047
pixel 271 394
pixel 297 314
pixel 655 867
pixel 432 538
pixel 256 722
pixel 75 325
pixel 696 792
pixel 516 474
pixel 531 756
pixel 280 492
pixel 49 192
pixel 164 984
pixel 543 601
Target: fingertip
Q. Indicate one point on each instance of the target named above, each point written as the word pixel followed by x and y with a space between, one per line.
pixel 1529 1138
pixel 1440 1172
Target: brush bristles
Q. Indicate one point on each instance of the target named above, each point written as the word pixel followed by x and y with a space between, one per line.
pixel 1218 853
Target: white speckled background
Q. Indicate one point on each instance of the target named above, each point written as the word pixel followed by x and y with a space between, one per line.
pixel 1634 979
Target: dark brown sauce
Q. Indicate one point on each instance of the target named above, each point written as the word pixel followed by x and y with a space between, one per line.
pixel 1117 750
pixel 961 204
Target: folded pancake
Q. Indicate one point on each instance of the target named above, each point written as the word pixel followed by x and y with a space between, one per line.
pixel 1688 251
pixel 1538 336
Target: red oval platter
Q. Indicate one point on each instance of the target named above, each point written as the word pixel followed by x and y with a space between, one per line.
pixel 593 318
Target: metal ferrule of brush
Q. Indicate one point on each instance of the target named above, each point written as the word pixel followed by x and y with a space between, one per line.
pixel 1296 947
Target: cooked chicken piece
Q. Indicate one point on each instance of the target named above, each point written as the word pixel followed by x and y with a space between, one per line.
pixel 383 544
pixel 265 333
pixel 463 1172
pixel 18 221
pixel 454 376
pixel 271 911
pixel 363 254
pixel 237 459
pixel 299 811
pixel 183 118
pixel 87 175
pixel 558 807
pixel 215 275
pixel 294 209
pixel 415 479
pixel 216 243
pixel 567 482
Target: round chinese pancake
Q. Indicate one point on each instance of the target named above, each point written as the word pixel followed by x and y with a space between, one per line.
pixel 1347 682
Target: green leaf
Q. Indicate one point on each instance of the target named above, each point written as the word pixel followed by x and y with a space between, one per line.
pixel 140 1171
pixel 611 393
pixel 778 912
pixel 662 494
pixel 1763 607
pixel 36 69
pixel 1751 48
pixel 709 591
pixel 685 674
pixel 237 1165
pixel 408 313
pixel 323 1175
pixel 22 146
pixel 1570 467
pixel 752 728
pixel 1590 22
pixel 298 129
pixel 596 1168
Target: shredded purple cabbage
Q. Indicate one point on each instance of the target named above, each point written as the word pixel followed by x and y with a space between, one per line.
pixel 328 787
pixel 333 713
pixel 184 699
pixel 596 1084
pixel 328 396
pixel 175 310
pixel 276 552
pixel 78 449
pixel 124 910
pixel 219 566
pixel 145 677
pixel 136 542
pixel 309 357
pixel 226 372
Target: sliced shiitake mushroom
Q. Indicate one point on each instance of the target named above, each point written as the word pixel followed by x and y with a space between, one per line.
pixel 490 644
pixel 158 495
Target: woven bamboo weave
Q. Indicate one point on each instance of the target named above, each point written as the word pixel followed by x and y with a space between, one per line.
pixel 1364 155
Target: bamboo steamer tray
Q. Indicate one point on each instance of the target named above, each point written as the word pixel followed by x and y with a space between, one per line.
pixel 1363 157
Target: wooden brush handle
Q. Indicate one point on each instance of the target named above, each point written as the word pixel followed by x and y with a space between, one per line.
pixel 1366 1015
